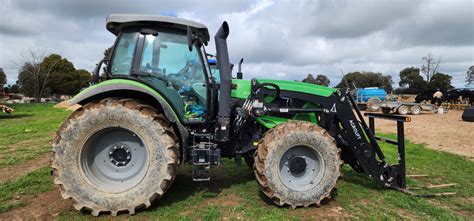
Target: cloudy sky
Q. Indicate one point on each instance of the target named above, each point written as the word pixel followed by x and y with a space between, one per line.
pixel 277 39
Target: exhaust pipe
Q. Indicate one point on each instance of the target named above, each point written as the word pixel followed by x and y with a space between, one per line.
pixel 240 75
pixel 222 55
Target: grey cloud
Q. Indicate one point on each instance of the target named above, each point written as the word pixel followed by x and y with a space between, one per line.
pixel 278 39
pixel 8 29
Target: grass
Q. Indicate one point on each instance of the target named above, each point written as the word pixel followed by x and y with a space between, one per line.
pixel 233 192
pixel 26 134
pixel 36 182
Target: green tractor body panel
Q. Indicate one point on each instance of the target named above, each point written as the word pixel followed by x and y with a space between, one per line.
pixel 124 84
pixel 243 88
pixel 272 121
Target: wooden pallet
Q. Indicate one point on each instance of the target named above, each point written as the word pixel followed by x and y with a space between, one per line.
pixel 6 109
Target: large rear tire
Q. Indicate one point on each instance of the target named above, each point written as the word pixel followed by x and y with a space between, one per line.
pixel 114 155
pixel 297 164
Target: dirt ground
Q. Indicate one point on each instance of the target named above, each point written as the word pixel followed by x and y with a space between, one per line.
pixel 45 206
pixel 446 132
pixel 14 171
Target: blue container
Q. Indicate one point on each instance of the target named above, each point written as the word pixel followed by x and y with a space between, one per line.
pixel 364 94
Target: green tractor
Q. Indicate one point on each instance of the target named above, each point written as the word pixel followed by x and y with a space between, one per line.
pixel 160 107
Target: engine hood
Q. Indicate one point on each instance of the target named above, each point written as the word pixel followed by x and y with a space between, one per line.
pixel 242 88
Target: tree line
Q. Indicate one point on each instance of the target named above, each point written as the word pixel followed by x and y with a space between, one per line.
pixel 412 80
pixel 43 75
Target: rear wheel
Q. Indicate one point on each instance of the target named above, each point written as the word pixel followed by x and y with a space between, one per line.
pixel 297 164
pixel 403 110
pixel 415 110
pixel 114 155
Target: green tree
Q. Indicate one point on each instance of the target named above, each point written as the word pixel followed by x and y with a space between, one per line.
pixel 64 78
pixel 82 80
pixel 14 89
pixel 33 76
pixel 3 81
pixel 310 79
pixel 27 81
pixel 61 74
pixel 411 81
pixel 3 77
pixel 367 79
pixel 440 81
pixel 320 79
pixel 470 75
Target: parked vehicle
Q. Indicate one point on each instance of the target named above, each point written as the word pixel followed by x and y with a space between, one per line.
pixel 160 106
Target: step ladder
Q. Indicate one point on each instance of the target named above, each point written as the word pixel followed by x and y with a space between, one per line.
pixel 203 156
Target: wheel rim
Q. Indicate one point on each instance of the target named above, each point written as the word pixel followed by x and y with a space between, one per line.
pixel 403 110
pixel 114 160
pixel 301 168
pixel 373 104
pixel 415 110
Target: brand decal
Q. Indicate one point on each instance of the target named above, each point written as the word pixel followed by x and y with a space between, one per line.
pixel 354 128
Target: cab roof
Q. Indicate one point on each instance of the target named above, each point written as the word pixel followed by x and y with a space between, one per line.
pixel 116 22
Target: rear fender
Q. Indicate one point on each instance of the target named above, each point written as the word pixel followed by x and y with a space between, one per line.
pixel 125 88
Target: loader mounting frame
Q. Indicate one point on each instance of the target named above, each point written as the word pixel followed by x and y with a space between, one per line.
pixel 340 116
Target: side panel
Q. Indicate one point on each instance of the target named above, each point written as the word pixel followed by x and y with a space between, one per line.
pixel 243 88
pixel 123 84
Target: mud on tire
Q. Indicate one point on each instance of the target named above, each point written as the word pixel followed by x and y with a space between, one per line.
pixel 95 192
pixel 292 140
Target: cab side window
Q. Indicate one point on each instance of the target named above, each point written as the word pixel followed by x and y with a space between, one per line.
pixel 123 55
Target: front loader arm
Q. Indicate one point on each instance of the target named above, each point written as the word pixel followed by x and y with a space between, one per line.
pixel 356 136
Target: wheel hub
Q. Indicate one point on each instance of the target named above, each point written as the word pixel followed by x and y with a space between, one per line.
pixel 297 165
pixel 120 155
pixel 114 160
pixel 301 168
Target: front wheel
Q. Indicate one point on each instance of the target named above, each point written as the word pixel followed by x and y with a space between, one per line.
pixel 114 155
pixel 297 164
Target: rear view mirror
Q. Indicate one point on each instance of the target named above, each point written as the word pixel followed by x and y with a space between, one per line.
pixel 95 74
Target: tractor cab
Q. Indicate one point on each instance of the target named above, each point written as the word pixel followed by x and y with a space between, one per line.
pixel 156 51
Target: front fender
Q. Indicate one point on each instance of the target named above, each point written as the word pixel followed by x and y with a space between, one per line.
pixel 123 88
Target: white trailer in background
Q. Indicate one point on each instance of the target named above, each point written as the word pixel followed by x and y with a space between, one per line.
pixel 375 104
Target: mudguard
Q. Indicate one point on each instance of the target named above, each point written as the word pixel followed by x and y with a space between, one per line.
pixel 101 90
